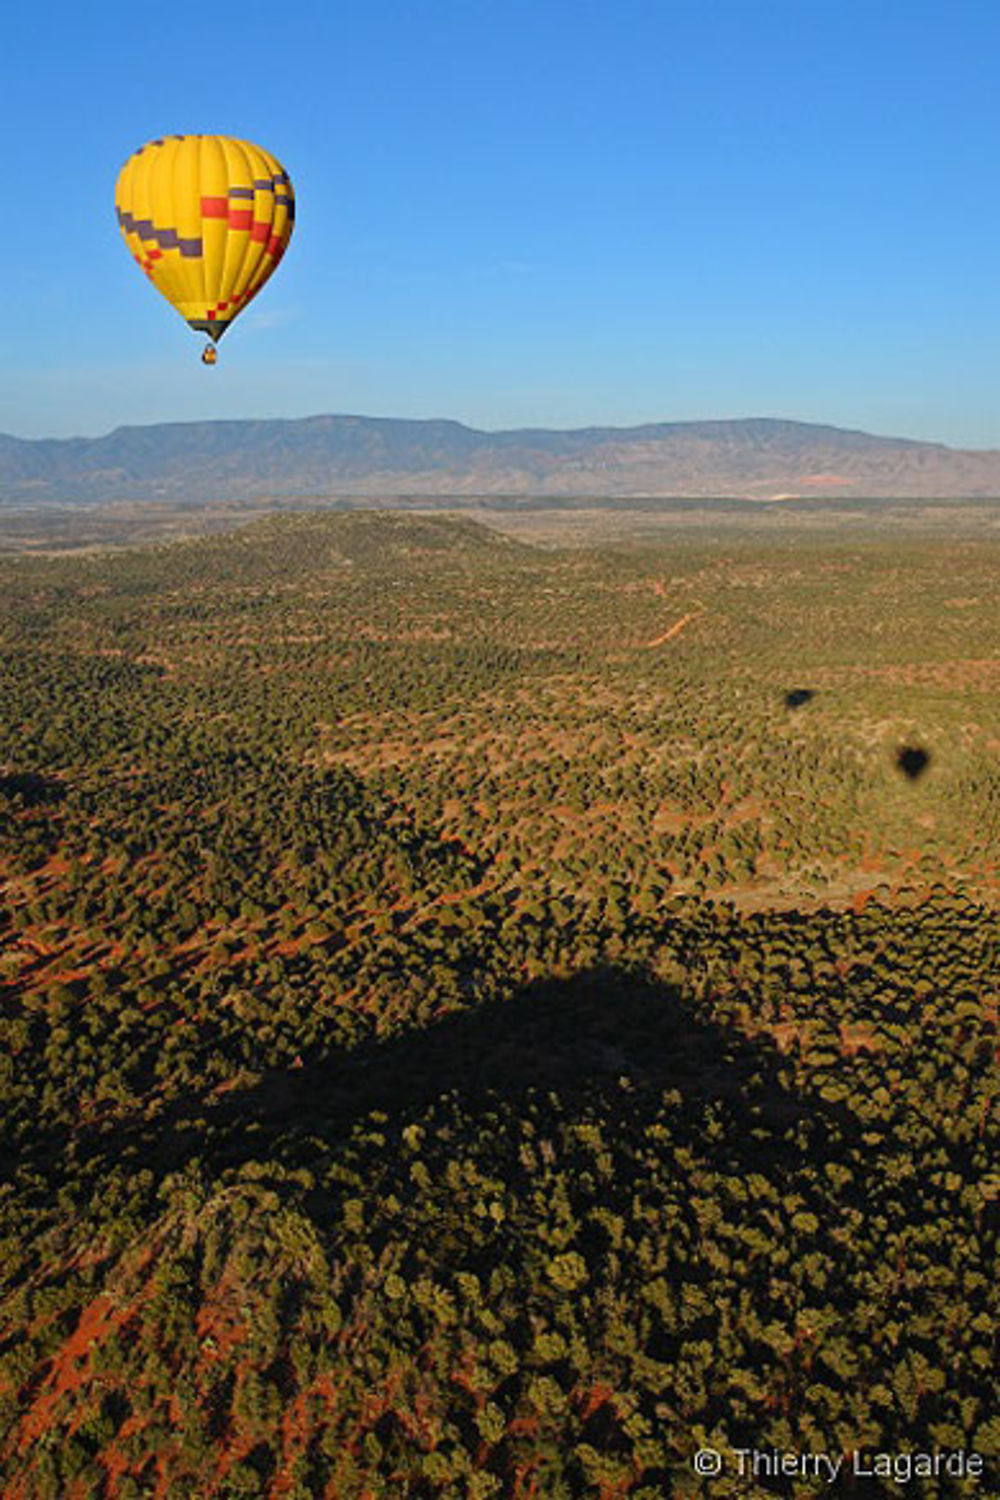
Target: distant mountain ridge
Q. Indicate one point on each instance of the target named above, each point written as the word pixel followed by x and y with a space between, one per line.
pixel 327 457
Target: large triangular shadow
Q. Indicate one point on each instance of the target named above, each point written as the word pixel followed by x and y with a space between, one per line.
pixel 606 1043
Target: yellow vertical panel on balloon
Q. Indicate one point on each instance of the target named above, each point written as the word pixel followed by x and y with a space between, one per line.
pixel 214 192
pixel 168 272
pixel 141 208
pixel 238 241
pixel 186 206
pixel 263 212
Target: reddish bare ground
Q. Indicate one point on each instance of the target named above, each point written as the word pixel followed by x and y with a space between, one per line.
pixel 675 629
pixel 857 1038
pixel 69 1367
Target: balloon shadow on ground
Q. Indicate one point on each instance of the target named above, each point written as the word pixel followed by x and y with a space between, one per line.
pixel 912 761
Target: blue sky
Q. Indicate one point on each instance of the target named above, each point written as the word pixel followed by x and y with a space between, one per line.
pixel 551 213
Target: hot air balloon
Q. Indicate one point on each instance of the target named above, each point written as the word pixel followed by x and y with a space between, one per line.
pixel 207 218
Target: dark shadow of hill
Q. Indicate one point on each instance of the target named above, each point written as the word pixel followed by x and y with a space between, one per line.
pixel 606 1044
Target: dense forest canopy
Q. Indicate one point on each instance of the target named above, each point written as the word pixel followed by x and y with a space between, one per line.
pixel 481 1021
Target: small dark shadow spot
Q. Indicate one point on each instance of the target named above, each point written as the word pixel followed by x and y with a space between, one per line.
pixel 29 789
pixel 795 697
pixel 912 761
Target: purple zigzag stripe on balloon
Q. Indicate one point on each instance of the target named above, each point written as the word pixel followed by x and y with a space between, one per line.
pixel 269 184
pixel 167 239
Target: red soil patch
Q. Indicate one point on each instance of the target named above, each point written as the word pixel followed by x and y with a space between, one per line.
pixel 675 629
pixel 114 1461
pixel 218 1328
pixel 69 1366
pixel 783 1034
pixel 525 1482
pixel 857 1038
pixel 67 976
pixel 593 1399
pixel 43 950
pixel 295 1435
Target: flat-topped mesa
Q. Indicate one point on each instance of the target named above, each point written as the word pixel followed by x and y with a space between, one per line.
pixel 333 456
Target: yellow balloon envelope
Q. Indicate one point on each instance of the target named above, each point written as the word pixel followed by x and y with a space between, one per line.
pixel 208 218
